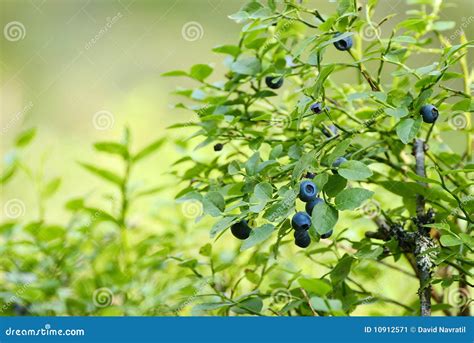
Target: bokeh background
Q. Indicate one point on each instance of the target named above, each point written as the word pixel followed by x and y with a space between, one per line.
pixel 81 70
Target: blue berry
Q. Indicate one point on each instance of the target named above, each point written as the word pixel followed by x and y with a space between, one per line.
pixel 429 113
pixel 327 234
pixel 218 147
pixel 343 44
pixel 302 239
pixel 241 230
pixel 308 191
pixel 316 108
pixel 331 132
pixel 310 205
pixel 301 221
pixel 274 82
pixel 339 161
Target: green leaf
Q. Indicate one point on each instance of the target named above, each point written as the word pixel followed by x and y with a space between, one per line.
pixel 322 77
pixel 103 173
pixel 258 236
pixel 397 112
pixel 24 138
pixel 149 149
pixel 112 148
pixel 221 225
pixel 232 50
pixel 283 208
pixel 352 198
pixel 51 187
pixel 201 71
pixel 316 286
pixel 344 6
pixel 175 73
pixel 338 151
pixel 324 218
pixel 443 25
pixel 252 163
pixel 305 161
pixel 449 240
pixel 321 180
pixel 213 204
pixel 407 129
pixel 335 184
pixel 246 66
pixel 250 305
pixel 468 240
pixel 342 269
pixel 354 170
pixel 262 194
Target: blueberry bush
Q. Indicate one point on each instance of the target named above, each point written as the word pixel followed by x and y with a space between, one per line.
pixel 319 118
pixel 319 178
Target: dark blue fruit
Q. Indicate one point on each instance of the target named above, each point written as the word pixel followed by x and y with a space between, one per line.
pixel 302 239
pixel 241 230
pixel 429 113
pixel 339 161
pixel 327 234
pixel 301 221
pixel 310 205
pixel 218 147
pixel 316 108
pixel 343 44
pixel 310 175
pixel 274 82
pixel 331 132
pixel 308 191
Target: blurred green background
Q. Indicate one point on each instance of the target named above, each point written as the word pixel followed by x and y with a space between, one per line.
pixel 82 70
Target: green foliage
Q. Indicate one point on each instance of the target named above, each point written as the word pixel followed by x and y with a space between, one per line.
pixel 372 95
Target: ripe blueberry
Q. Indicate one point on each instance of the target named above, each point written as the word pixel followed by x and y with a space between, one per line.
pixel 316 108
pixel 310 205
pixel 310 175
pixel 429 113
pixel 331 132
pixel 308 191
pixel 218 147
pixel 327 234
pixel 274 82
pixel 302 239
pixel 343 44
pixel 301 221
pixel 339 161
pixel 241 230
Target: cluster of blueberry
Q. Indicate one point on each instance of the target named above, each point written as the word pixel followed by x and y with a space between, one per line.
pixel 301 221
